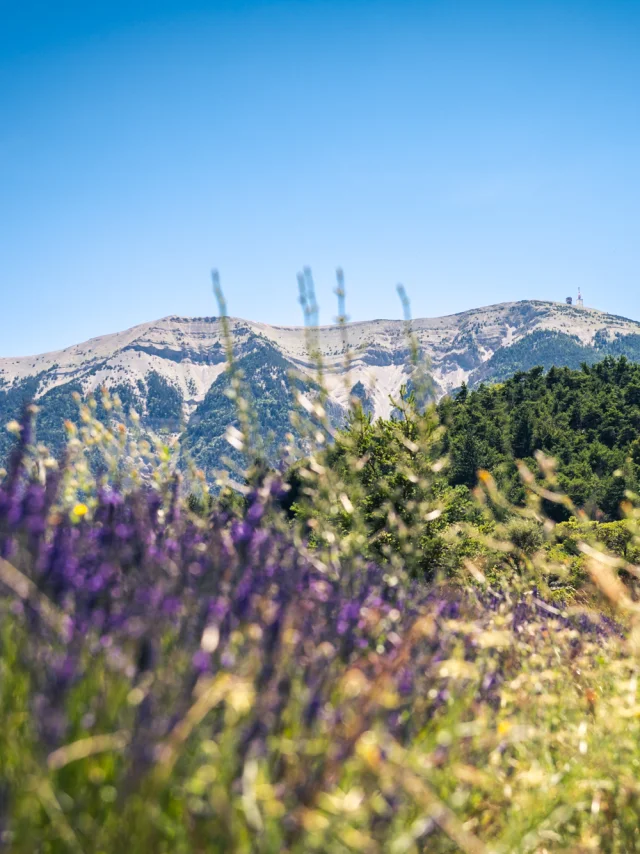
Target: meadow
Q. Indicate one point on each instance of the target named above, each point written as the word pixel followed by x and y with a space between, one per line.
pixel 376 663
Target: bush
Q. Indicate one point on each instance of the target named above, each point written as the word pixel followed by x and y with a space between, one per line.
pixel 525 535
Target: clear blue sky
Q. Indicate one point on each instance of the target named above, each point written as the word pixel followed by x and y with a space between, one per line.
pixel 477 151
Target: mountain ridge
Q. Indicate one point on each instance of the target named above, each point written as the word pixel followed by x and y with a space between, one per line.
pixel 167 368
pixel 173 330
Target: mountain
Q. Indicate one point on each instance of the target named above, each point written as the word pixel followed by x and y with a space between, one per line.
pixel 172 371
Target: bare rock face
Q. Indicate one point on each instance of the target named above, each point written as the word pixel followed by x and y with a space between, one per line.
pixel 168 369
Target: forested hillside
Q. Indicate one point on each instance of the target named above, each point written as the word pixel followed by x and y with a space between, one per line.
pixel 548 348
pixel 587 419
pixel 270 388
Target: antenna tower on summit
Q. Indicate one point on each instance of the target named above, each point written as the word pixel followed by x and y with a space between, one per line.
pixel 580 301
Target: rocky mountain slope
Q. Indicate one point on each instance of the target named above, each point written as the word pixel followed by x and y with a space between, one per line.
pixel 172 370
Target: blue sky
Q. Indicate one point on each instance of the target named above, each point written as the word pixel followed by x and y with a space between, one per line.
pixel 476 151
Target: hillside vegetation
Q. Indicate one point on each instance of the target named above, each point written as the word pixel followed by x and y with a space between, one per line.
pixel 373 660
pixel 588 420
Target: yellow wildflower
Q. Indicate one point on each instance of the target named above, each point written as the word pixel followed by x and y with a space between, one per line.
pixel 503 727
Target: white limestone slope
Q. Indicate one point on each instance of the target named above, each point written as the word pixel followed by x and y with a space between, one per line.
pixel 189 352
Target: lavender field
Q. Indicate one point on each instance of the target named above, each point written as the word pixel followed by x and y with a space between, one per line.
pixel 185 673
